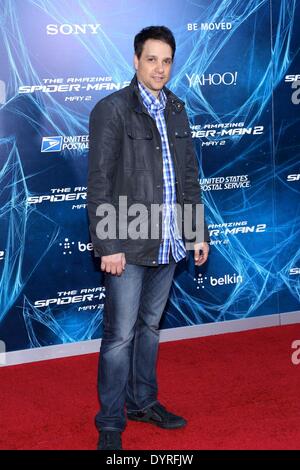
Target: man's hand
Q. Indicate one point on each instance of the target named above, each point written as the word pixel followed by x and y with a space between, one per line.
pixel 200 258
pixel 113 264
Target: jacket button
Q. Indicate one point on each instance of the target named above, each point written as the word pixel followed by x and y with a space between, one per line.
pixel 171 144
pixel 158 186
pixel 157 148
pixel 153 262
pixel 176 133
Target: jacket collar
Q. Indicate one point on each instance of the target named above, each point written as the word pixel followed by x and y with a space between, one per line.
pixel 172 100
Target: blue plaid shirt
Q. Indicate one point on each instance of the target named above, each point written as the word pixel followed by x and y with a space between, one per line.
pixel 171 238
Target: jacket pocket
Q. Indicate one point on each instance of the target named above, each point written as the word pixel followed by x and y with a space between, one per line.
pixel 180 143
pixel 139 134
pixel 182 133
pixel 139 148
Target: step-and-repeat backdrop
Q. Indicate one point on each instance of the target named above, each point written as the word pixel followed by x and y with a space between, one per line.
pixel 237 68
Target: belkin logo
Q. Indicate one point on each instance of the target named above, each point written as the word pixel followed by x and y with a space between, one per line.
pixel 227 279
pixel 67 29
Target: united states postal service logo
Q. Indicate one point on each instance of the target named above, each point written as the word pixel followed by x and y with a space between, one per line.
pixel 52 144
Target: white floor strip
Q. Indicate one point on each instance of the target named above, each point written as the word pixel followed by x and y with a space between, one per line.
pixel 172 334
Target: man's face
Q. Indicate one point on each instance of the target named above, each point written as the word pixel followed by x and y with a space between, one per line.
pixel 153 68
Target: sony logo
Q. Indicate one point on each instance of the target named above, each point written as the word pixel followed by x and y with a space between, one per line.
pixel 68 29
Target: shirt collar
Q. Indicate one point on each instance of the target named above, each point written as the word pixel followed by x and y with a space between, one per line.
pixel 150 101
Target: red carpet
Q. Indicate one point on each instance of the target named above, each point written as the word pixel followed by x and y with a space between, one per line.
pixel 238 391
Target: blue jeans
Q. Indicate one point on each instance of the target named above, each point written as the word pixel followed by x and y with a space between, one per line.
pixel 133 308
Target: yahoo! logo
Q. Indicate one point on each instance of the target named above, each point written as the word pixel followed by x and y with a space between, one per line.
pixel 67 29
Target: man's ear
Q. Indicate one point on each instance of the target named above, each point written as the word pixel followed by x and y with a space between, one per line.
pixel 136 62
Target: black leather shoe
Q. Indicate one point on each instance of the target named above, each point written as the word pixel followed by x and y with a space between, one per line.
pixel 158 415
pixel 110 440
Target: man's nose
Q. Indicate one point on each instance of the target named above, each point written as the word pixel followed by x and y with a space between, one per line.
pixel 160 67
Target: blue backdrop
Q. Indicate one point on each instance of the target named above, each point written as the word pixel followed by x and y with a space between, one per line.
pixel 236 67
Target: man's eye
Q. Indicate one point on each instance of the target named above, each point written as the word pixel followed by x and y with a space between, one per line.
pixel 151 59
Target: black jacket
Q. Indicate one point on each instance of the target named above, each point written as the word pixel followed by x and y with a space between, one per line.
pixel 125 159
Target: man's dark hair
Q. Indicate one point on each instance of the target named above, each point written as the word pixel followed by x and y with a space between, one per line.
pixel 161 33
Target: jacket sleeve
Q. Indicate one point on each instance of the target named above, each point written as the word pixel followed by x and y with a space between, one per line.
pixel 105 141
pixel 192 190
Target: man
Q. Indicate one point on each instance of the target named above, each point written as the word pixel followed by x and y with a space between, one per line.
pixel 141 148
